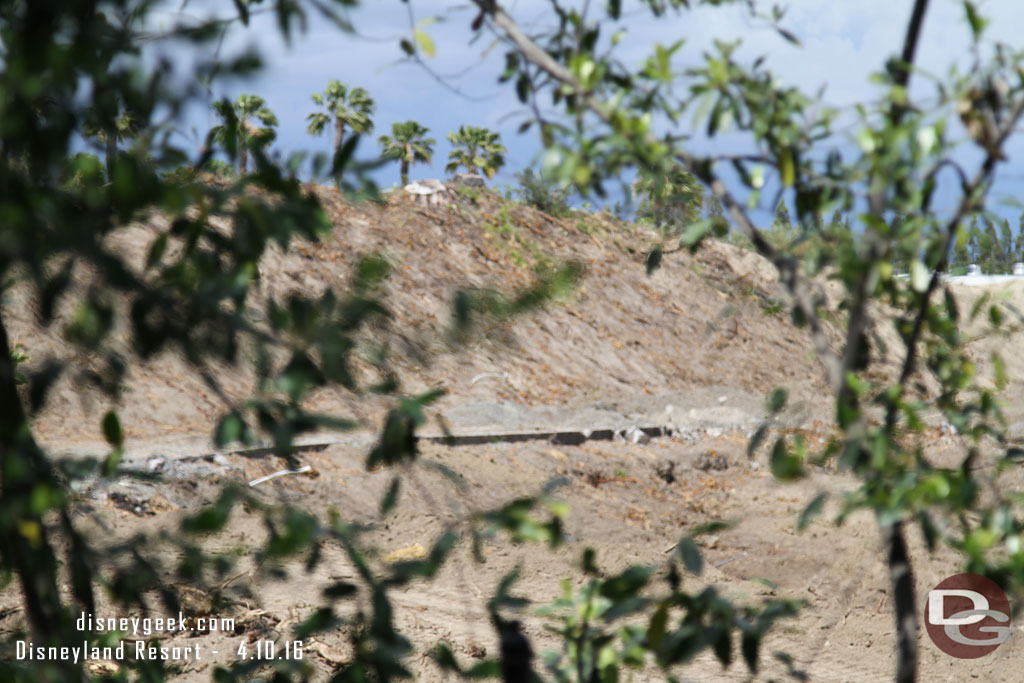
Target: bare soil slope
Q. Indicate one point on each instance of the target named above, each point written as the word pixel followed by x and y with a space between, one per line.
pixel 704 327
pixel 704 335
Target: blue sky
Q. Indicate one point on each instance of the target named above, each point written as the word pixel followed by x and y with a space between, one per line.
pixel 843 42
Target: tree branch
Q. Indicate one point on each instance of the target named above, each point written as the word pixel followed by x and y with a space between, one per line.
pixel 901 578
pixel 800 288
pixel 26 548
pixel 967 203
pixel 910 45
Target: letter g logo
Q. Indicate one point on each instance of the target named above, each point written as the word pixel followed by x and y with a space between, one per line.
pixel 962 616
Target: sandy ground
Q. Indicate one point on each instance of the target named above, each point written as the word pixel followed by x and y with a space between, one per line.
pixel 697 346
pixel 621 504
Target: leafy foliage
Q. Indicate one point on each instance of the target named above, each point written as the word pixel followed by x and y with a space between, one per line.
pixel 408 144
pixel 601 635
pixel 542 194
pixel 989 243
pixel 476 149
pixel 73 69
pixel 345 107
pixel 238 134
pixel 122 128
pixel 193 294
pixel 786 139
pixel 672 199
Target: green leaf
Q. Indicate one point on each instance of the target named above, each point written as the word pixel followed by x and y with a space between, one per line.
pixel 978 305
pixel 627 584
pixel 995 315
pixel 40 383
pixel 999 369
pixel 487 669
pixel 320 620
pixel 812 510
pixel 653 261
pixel 750 646
pixel 298 532
pixel 243 11
pixel 723 646
pixel 788 35
pixel 213 517
pixel 786 466
pixel 111 462
pixel 340 589
pixel 756 440
pixel 656 627
pixel 431 395
pixel 112 430
pixel 425 42
pixel 929 530
pixel 952 310
pixel 976 21
pixel 787 168
pixel 387 504
pixel 229 430
pixel 919 276
pixel 156 250
pixel 695 234
pixel 54 288
pixel 713 120
pixel 690 554
pixel 371 272
pixel 777 401
pixel 713 527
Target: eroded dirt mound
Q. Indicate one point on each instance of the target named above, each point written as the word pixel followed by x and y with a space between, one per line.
pixel 707 322
pixel 706 334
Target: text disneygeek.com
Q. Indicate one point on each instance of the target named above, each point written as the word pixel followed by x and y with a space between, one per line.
pixel 128 646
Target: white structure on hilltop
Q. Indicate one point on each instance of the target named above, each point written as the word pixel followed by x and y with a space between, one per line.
pixel 429 192
pixel 974 276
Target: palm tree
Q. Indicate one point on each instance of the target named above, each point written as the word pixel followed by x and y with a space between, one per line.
pixel 348 107
pixel 238 117
pixel 408 144
pixel 478 149
pixel 110 133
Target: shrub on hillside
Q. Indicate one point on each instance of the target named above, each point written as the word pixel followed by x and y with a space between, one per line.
pixel 542 194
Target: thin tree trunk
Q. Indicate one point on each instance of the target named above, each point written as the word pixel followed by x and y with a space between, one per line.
pixel 901 579
pixel 243 153
pixel 111 143
pixel 24 541
pixel 405 172
pixel 339 136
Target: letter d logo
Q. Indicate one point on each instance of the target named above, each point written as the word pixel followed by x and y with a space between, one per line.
pixel 936 603
pixel 965 616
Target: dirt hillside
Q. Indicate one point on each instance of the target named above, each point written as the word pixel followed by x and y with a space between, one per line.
pixel 699 344
pixel 704 333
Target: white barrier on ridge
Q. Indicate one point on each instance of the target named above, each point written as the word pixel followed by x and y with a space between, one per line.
pixel 975 277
